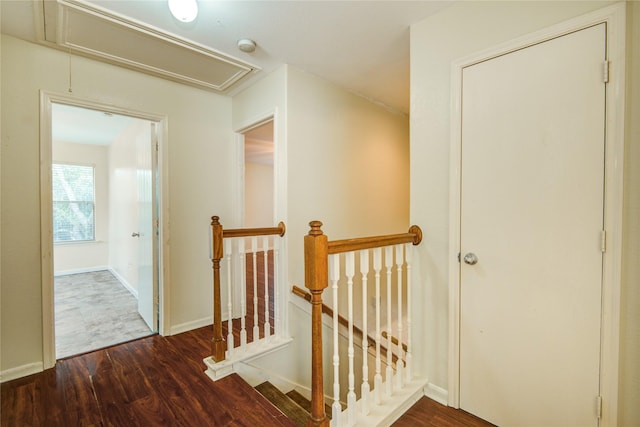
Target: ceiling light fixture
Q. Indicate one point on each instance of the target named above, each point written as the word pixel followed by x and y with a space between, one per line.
pixel 246 45
pixel 183 10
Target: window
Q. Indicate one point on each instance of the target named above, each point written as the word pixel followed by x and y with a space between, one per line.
pixel 73 203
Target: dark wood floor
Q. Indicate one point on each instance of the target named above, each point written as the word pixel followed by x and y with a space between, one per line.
pixel 160 381
pixel 428 413
pixel 155 381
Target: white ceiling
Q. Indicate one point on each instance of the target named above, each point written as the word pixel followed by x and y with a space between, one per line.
pixel 362 45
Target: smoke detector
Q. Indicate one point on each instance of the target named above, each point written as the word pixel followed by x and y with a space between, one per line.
pixel 246 45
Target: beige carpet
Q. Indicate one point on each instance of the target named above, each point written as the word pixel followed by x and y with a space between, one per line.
pixel 92 311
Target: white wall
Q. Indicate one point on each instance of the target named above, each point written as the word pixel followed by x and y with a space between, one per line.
pixel 347 165
pixel 198 156
pixel 258 196
pixel 461 30
pixel 86 256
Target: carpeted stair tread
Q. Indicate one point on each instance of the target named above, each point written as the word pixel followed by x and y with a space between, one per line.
pixel 285 404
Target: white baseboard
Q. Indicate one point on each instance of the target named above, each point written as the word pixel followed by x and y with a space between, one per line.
pixel 126 284
pixel 188 326
pixel 436 393
pixel 21 371
pixel 81 270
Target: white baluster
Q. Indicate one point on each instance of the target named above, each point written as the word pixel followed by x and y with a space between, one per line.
pixel 254 250
pixel 229 255
pixel 388 263
pixel 334 276
pixel 377 379
pixel 267 323
pixel 365 388
pixel 399 363
pixel 243 293
pixel 408 357
pixel 351 394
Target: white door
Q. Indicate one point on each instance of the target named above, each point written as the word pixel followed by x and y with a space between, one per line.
pixel 147 279
pixel 531 216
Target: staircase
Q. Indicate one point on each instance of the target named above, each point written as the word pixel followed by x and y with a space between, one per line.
pixel 373 379
pixel 291 404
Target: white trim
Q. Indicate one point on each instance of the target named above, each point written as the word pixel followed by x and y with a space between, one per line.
pixel 155 38
pixel 436 393
pixel 240 190
pixel 189 326
pixel 21 371
pixel 46 227
pixel 124 282
pixel 256 121
pixel 81 270
pixel 242 355
pixel 614 16
pixel 279 174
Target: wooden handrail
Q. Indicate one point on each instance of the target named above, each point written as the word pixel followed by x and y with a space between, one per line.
pixel 344 322
pixel 329 312
pixel 394 340
pixel 250 232
pixel 218 233
pixel 414 236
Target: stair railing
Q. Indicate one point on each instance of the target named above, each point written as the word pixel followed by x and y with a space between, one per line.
pixel 232 244
pixel 323 264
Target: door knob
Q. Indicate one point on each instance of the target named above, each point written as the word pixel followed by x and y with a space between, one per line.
pixel 470 258
pixel 135 234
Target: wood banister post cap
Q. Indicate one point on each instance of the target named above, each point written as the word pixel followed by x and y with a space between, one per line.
pixel 315 228
pixel 215 220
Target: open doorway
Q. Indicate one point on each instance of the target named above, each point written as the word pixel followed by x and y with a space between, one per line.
pixel 259 175
pixel 104 209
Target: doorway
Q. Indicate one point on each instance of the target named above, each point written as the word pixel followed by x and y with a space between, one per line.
pixel 536 185
pixel 101 286
pixel 259 175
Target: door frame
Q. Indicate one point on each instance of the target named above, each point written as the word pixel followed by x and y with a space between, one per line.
pixel 279 201
pixel 614 16
pixel 46 212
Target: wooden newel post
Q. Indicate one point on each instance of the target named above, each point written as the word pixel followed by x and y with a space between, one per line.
pixel 316 277
pixel 218 345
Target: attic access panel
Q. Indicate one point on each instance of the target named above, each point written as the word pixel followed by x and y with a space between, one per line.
pixel 103 35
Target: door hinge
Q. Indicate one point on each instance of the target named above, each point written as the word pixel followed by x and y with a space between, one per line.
pixel 458 256
pixel 605 71
pixel 603 241
pixel 599 407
